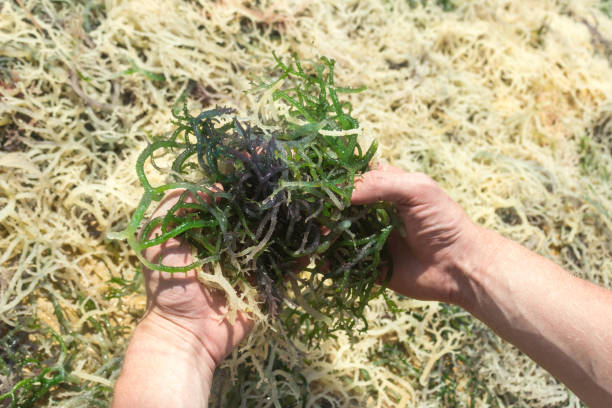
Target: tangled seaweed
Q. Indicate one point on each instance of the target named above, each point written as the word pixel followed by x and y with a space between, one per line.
pixel 265 203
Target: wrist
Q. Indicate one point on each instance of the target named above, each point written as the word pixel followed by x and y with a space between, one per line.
pixel 164 366
pixel 176 339
pixel 471 267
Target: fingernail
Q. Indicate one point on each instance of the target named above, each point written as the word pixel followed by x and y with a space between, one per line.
pixel 381 164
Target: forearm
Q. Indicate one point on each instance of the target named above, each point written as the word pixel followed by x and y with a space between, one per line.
pixel 164 366
pixel 562 322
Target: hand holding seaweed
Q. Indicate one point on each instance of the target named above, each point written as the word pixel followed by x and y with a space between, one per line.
pixel 282 197
pixel 438 237
pixel 180 303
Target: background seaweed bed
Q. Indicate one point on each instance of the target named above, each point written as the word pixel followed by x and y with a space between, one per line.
pixel 506 103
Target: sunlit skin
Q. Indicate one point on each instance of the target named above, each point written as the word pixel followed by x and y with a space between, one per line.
pixel 560 321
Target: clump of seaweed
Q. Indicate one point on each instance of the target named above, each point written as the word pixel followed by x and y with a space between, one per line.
pixel 272 207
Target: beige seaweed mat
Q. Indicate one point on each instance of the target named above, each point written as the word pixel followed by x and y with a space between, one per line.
pixel 507 104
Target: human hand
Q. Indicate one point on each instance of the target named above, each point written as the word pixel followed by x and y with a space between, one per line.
pixel 520 295
pixel 184 335
pixel 181 304
pixel 439 237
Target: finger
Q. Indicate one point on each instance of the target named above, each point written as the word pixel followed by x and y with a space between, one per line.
pixel 172 197
pixel 167 202
pixel 391 169
pixel 396 245
pixel 391 185
pixel 406 267
pixel 377 185
pixel 174 252
pixel 383 165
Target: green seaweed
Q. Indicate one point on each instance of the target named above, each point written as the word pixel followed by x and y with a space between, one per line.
pixel 284 202
pixel 39 374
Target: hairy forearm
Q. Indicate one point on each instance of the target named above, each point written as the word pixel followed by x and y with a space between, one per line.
pixel 164 366
pixel 562 322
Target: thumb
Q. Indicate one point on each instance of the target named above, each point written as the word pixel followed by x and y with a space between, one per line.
pixel 377 185
pixel 392 185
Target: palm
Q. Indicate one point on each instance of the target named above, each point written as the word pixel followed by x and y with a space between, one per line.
pixel 183 301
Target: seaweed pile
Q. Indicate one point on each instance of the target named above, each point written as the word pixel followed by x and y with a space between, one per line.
pixel 271 204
